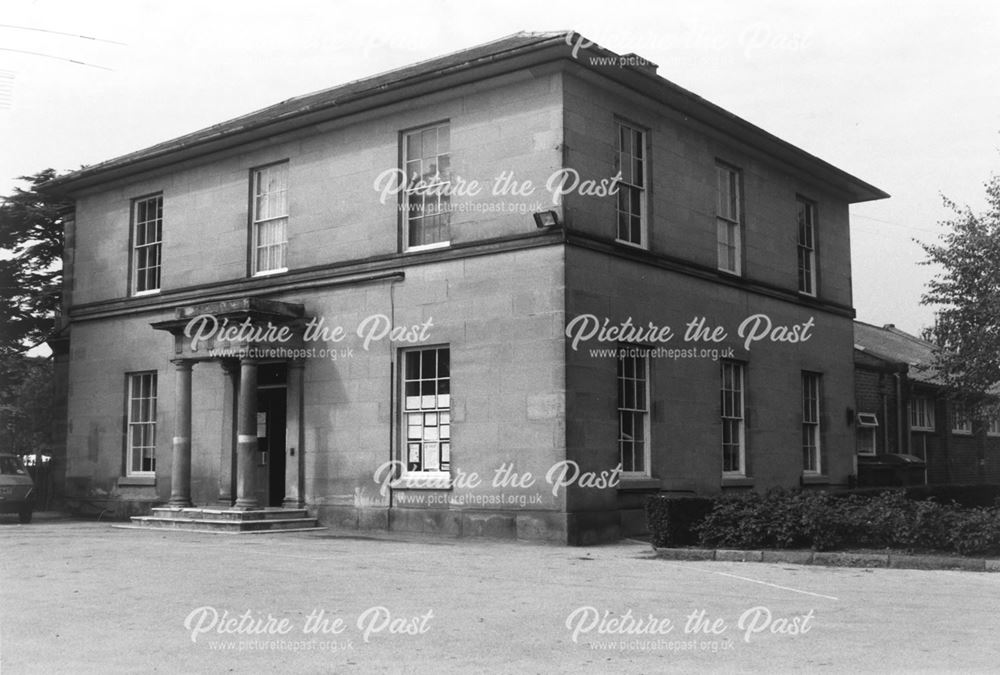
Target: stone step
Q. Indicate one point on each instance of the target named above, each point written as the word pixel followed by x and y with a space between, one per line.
pixel 270 513
pixel 225 525
pixel 207 519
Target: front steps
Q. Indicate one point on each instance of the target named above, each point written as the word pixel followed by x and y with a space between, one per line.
pixel 231 521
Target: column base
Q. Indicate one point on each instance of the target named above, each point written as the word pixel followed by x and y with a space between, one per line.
pixel 293 504
pixel 180 504
pixel 247 505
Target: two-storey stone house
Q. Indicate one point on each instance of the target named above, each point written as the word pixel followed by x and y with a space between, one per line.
pixel 516 259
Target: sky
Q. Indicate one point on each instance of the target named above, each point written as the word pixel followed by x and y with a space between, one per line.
pixel 905 96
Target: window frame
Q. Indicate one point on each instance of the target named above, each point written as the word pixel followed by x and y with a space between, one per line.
pixel 961 423
pixel 256 222
pixel 808 249
pixel 740 419
pixel 621 125
pixel 732 222
pixel 927 408
pixel 130 423
pixel 443 201
pixel 867 425
pixel 134 273
pixel 812 416
pixel 621 379
pixel 444 447
pixel 993 426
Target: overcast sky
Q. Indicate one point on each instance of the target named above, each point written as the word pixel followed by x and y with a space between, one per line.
pixel 903 95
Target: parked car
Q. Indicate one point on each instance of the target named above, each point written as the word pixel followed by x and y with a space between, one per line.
pixel 17 490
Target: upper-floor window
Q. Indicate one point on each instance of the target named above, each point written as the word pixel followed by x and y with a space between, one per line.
pixel 269 226
pixel 631 206
pixel 807 247
pixel 733 419
pixel 811 461
pixel 729 218
pixel 921 414
pixel 426 199
pixel 633 409
pixel 147 242
pixel 140 448
pixel 993 429
pixel 961 423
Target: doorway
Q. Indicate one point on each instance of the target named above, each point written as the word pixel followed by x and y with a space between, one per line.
pixel 271 419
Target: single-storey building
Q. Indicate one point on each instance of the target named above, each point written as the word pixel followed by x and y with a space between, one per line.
pixel 904 409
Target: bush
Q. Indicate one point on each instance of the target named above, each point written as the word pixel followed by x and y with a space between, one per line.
pixel 968 496
pixel 977 532
pixel 671 519
pixel 824 521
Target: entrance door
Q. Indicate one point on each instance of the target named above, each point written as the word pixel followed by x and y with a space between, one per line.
pixel 271 411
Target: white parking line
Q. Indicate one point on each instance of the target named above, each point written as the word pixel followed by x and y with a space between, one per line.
pixel 755 581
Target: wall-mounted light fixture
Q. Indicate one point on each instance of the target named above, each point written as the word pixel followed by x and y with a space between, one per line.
pixel 545 219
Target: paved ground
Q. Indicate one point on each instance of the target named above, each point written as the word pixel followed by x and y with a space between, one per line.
pixel 79 597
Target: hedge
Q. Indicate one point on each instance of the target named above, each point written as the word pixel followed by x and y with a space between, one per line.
pixel 672 520
pixel 823 521
pixel 969 496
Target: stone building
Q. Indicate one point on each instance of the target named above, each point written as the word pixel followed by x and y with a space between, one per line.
pixel 506 292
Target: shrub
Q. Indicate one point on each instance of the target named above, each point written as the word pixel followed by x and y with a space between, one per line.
pixel 977 532
pixel 824 521
pixel 671 519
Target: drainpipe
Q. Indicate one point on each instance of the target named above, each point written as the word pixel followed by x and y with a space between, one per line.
pixel 899 417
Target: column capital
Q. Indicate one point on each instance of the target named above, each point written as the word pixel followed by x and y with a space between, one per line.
pixel 183 364
pixel 248 362
pixel 298 364
pixel 229 366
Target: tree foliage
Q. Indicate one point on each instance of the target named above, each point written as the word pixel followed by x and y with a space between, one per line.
pixel 26 396
pixel 967 295
pixel 31 231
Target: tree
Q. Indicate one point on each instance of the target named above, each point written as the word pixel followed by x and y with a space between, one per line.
pixel 31 230
pixel 967 295
pixel 26 394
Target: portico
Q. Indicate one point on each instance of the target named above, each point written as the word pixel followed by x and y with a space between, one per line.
pixel 269 335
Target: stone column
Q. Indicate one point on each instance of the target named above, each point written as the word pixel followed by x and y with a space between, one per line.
pixel 246 437
pixel 180 474
pixel 227 458
pixel 294 436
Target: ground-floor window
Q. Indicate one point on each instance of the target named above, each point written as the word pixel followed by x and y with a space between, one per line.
pixel 811 422
pixel 141 433
pixel 633 409
pixel 733 419
pixel 427 409
pixel 867 426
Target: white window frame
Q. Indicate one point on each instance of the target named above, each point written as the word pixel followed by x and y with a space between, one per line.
pixel 633 409
pixel 734 415
pixel 140 427
pixel 806 217
pixel 993 428
pixel 269 212
pixel 729 217
pixel 147 242
pixel 631 159
pixel 961 423
pixel 921 413
pixel 867 428
pixel 425 416
pixel 424 188
pixel 812 432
